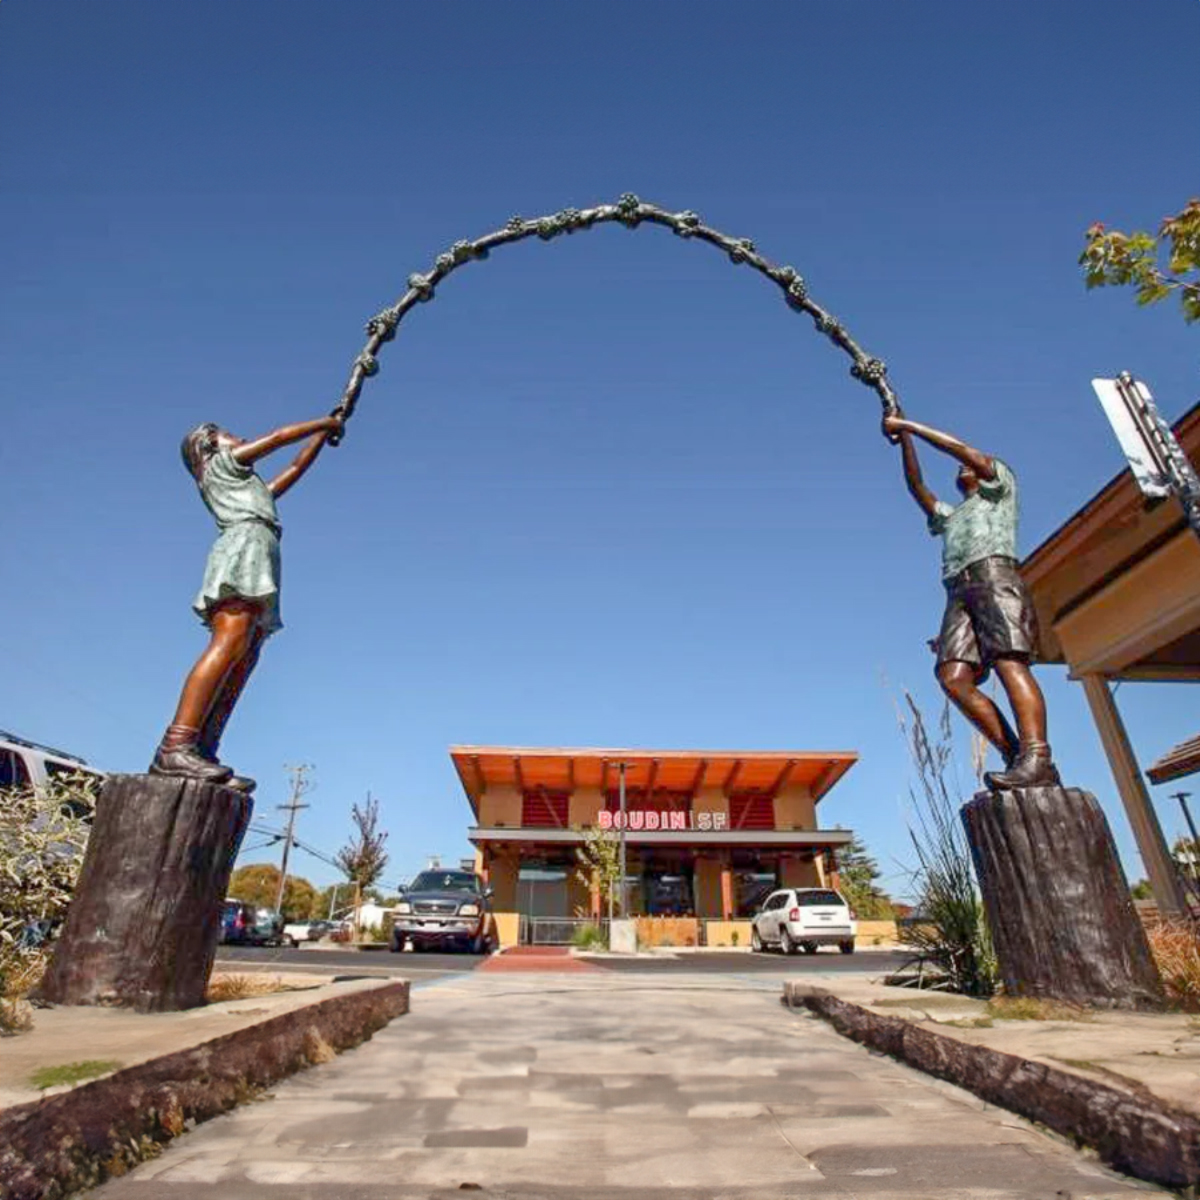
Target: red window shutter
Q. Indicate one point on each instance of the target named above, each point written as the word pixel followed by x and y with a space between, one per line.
pixel 544 810
pixel 751 811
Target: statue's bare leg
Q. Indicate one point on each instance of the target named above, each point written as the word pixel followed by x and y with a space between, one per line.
pixel 233 624
pixel 1034 765
pixel 959 681
pixel 1025 695
pixel 227 697
pixel 230 691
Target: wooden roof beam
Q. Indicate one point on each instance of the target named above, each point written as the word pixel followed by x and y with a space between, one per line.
pixel 731 778
pixel 699 778
pixel 480 777
pixel 782 778
pixel 519 774
pixel 652 780
pixel 822 782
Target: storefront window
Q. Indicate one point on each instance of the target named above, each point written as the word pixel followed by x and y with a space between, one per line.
pixel 669 895
pixel 750 889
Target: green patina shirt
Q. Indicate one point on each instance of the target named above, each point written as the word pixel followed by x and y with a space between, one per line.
pixel 983 525
pixel 244 561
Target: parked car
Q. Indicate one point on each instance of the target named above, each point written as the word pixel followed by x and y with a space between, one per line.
pixel 23 762
pixel 805 919
pixel 244 924
pixel 238 923
pixel 443 908
pixel 296 932
pixel 268 927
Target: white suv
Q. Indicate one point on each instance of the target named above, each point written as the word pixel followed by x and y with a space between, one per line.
pixel 23 762
pixel 804 918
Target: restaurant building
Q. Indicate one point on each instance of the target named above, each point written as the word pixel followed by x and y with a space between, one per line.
pixel 707 833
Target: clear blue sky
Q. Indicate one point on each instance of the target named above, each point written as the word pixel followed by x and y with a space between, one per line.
pixel 607 491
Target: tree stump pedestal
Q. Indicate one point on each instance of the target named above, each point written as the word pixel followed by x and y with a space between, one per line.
pixel 143 928
pixel 1057 901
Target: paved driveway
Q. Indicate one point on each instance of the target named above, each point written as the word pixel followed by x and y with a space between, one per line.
pixel 599 1086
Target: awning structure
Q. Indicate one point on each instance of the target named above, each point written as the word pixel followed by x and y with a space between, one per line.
pixel 1179 761
pixel 684 772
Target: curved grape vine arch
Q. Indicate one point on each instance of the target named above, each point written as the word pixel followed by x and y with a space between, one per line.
pixel 630 212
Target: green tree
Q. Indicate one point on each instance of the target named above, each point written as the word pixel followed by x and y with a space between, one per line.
pixel 599 861
pixel 1141 890
pixel 363 857
pixel 258 883
pixel 858 871
pixel 1111 258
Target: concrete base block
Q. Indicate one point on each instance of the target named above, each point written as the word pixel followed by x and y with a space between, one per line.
pixel 622 937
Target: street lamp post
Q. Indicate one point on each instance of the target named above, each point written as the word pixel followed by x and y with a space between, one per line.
pixel 621 854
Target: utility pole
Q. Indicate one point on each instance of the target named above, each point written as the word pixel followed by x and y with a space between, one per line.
pixel 300 785
pixel 624 887
pixel 1193 858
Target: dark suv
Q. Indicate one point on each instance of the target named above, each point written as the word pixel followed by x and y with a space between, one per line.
pixel 443 908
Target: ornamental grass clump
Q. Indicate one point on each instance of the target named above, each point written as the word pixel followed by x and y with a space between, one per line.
pixel 949 940
pixel 1176 948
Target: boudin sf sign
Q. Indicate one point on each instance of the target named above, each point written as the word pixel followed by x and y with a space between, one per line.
pixel 637 818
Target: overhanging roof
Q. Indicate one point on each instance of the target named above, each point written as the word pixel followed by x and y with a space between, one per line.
pixel 1179 761
pixel 680 771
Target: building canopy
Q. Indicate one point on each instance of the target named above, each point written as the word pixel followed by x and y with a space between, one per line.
pixel 683 772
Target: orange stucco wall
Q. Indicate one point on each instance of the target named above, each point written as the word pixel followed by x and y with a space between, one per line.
pixel 794 809
pixel 500 806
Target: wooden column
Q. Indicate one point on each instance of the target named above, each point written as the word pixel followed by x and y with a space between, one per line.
pixel 1057 901
pixel 726 890
pixel 143 926
pixel 1152 846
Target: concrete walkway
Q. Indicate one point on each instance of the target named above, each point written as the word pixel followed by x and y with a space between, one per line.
pixel 596 1086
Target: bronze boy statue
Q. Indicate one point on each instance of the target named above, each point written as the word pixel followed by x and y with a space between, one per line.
pixel 239 599
pixel 990 619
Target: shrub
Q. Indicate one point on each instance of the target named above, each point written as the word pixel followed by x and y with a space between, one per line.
pixel 734 938
pixel 1176 947
pixel 43 833
pixel 589 937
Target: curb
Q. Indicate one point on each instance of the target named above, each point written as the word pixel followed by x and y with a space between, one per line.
pixel 78 1139
pixel 1134 1132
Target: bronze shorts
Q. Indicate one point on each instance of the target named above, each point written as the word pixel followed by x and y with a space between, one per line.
pixel 989 615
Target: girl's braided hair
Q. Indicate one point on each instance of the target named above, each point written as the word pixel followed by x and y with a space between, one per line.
pixel 198 447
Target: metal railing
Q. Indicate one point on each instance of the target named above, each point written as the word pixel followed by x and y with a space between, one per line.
pixel 556 931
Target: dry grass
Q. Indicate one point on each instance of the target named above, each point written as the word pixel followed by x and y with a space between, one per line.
pixel 1176 947
pixel 16 1016
pixel 20 972
pixel 244 987
pixel 1030 1008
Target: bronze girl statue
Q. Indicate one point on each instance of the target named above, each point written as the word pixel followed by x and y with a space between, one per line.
pixel 239 599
